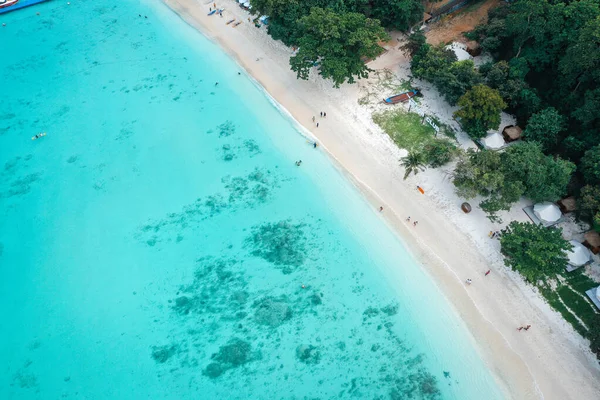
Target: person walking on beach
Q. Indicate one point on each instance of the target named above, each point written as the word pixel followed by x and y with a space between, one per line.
pixel 408 219
pixel 488 272
pixel 325 115
pixel 469 281
pixel 527 327
pixel 313 118
pixel 415 223
pixel 321 114
pixel 317 124
pixel 380 209
pixel 520 328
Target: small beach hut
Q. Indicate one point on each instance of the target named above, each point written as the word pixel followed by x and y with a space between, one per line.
pixel 592 241
pixel 547 212
pixel 512 133
pixel 493 141
pixel 579 255
pixel 567 205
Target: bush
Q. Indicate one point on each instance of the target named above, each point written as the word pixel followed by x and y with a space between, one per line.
pixel 439 152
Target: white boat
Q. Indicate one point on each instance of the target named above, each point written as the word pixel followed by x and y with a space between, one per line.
pixel 7 3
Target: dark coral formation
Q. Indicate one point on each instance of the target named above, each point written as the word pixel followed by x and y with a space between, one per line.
pixel 239 192
pixel 227 128
pixel 235 353
pixel 281 243
pixel 161 354
pixel 308 354
pixel 272 311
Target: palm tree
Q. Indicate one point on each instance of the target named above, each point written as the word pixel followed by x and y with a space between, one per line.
pixel 413 163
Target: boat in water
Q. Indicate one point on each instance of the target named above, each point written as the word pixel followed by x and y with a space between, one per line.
pixel 11 5
pixel 7 3
pixel 400 98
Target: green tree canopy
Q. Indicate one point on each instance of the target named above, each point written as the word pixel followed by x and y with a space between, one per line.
pixel 337 45
pixel 414 43
pixel 545 178
pixel 589 202
pixel 535 252
pixel 480 110
pixel 397 14
pixel 457 80
pixel 590 165
pixel 502 178
pixel 544 127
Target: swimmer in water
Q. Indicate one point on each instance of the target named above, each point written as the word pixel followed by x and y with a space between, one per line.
pixel 298 163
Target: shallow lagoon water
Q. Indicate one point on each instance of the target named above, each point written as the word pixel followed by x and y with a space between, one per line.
pixel 159 242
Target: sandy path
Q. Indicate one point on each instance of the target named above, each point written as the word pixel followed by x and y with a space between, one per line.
pixel 550 360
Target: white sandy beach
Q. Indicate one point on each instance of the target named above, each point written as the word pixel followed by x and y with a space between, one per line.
pixel 549 361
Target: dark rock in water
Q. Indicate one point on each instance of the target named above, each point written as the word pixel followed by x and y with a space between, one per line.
pixel 315 299
pixel 308 354
pixel 213 370
pixel 161 354
pixel 272 311
pixel 234 353
pixel 390 310
pixel 226 129
pixel 183 305
pixel 370 312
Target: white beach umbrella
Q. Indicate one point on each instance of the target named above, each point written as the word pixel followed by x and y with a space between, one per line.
pixel 547 212
pixel 579 254
pixel 493 141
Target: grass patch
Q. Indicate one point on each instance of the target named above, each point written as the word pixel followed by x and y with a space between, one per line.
pixel 554 301
pixel 571 294
pixel 405 129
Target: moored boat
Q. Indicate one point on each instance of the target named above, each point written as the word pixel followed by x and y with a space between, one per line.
pixel 402 97
pixel 7 3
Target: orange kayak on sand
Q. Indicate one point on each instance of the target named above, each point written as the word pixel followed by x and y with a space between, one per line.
pixel 420 189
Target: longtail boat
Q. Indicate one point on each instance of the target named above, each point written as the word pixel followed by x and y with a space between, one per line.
pixel 402 97
pixel 7 3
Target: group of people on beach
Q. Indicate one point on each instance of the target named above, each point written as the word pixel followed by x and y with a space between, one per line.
pixel 323 115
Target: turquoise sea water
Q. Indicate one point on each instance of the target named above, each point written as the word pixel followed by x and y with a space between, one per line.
pixel 160 243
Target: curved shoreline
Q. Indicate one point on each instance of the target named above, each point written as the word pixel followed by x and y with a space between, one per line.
pixel 541 364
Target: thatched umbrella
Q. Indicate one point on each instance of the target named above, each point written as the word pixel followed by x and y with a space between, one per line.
pixel 568 204
pixel 592 241
pixel 512 133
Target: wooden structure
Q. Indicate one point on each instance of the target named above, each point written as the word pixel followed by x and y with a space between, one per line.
pixel 567 205
pixel 512 133
pixel 592 241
